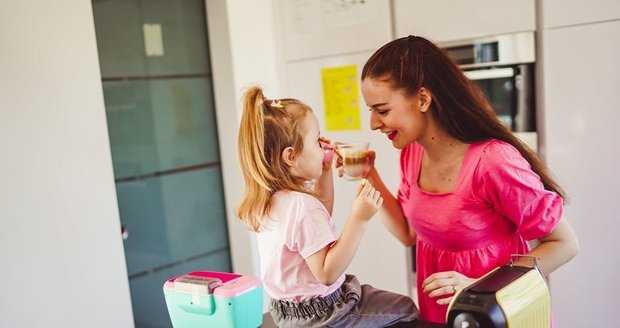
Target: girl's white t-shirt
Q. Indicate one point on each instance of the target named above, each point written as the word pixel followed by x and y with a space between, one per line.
pixel 298 226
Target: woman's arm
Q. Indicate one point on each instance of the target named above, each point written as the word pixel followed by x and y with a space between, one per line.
pixel 391 213
pixel 555 249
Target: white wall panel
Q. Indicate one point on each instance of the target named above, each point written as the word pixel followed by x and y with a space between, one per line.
pixel 61 253
pixel 582 111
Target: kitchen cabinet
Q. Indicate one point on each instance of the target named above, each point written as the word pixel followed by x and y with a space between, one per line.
pixel 581 75
pixel 447 20
pixel 558 13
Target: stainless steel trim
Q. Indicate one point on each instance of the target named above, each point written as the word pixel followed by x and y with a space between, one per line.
pixel 515 48
pixel 486 74
pixel 523 115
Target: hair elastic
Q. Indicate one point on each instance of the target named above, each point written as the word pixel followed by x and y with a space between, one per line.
pixel 276 103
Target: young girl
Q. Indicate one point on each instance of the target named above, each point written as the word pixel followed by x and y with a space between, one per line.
pixel 302 260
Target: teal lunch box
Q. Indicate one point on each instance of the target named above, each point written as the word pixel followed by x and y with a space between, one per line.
pixel 214 299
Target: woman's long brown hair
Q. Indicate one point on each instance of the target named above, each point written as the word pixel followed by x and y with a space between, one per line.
pixel 458 105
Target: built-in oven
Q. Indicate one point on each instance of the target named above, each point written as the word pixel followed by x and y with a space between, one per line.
pixel 503 67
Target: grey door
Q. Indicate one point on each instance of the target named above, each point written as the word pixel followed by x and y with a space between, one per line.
pixel 158 93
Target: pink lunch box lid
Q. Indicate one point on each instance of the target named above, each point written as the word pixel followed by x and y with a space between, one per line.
pixel 232 284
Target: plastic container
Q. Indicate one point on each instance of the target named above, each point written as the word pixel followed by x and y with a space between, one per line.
pixel 214 299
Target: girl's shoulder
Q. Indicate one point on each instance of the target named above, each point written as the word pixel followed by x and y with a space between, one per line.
pixel 296 198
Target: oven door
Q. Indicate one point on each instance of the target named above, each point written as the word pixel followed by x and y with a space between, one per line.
pixel 510 90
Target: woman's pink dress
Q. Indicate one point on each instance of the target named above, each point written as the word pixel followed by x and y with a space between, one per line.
pixel 497 204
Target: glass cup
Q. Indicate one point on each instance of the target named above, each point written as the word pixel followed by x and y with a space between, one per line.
pixel 355 161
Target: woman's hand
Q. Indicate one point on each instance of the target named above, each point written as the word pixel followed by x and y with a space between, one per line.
pixel 444 285
pixel 338 161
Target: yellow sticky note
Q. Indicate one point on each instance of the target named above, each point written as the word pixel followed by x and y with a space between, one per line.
pixel 340 95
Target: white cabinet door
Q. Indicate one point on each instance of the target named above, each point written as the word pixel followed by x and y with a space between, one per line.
pixel 448 20
pixel 582 111
pixel 571 12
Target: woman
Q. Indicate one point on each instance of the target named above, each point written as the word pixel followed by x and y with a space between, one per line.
pixel 471 194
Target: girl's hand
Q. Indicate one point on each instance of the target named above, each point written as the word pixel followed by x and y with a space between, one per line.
pixel 367 202
pixel 329 151
pixel 446 283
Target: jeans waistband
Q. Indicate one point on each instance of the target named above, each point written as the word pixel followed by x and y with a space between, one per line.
pixel 308 308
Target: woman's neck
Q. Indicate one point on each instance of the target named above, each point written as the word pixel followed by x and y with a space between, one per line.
pixel 439 146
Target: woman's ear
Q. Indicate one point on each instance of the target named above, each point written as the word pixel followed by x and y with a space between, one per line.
pixel 288 157
pixel 425 98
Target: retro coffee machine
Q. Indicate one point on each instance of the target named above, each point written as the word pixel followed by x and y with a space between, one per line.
pixel 511 296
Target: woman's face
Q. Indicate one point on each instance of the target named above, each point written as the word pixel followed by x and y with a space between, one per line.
pixel 402 118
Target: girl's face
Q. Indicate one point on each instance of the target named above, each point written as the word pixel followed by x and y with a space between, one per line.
pixel 402 118
pixel 308 164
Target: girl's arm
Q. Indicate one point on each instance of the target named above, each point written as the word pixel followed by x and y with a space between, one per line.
pixel 328 264
pixel 324 187
pixel 391 213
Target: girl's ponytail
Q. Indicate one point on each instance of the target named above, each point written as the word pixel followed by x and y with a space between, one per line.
pixel 267 127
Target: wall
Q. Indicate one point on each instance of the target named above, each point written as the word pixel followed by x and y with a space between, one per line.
pixel 579 90
pixel 244 52
pixel 60 243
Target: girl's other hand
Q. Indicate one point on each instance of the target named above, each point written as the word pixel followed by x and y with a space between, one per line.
pixel 367 202
pixel 328 150
pixel 444 285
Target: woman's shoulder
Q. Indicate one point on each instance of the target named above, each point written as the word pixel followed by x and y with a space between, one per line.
pixel 493 152
pixel 497 158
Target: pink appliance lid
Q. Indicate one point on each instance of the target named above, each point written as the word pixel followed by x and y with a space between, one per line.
pixel 232 284
pixel 223 276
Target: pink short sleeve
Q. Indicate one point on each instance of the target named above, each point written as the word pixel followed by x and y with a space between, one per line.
pixel 516 192
pixel 315 231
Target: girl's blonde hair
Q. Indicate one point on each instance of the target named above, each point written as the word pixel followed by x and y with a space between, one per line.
pixel 267 128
